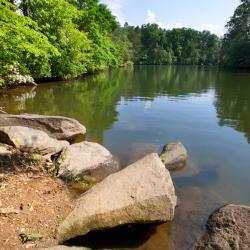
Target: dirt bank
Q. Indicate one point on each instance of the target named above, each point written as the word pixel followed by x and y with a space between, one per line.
pixel 32 204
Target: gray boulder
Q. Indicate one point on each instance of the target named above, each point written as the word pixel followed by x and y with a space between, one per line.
pixel 87 159
pixel 174 155
pixel 141 193
pixel 31 140
pixel 227 228
pixel 58 127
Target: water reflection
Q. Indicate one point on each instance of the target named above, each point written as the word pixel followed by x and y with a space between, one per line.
pixel 233 101
pixel 94 99
pixel 16 99
pixel 133 111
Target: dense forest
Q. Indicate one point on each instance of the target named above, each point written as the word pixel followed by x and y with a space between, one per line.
pixel 66 38
pixel 153 45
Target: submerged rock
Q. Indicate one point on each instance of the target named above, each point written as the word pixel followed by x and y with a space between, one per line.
pixel 141 193
pixel 174 155
pixel 58 127
pixel 87 159
pixel 30 140
pixel 227 228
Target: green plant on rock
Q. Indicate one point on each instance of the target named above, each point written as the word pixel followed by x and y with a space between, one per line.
pixel 164 158
pixel 82 183
pixel 58 160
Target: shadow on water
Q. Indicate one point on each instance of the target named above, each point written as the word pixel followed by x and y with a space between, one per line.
pixel 128 236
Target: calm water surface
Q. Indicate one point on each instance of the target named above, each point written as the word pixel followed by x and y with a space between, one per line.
pixel 133 111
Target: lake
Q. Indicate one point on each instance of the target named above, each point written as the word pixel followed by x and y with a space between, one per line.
pixel 134 111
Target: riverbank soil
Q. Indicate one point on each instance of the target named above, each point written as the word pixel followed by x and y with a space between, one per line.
pixel 32 205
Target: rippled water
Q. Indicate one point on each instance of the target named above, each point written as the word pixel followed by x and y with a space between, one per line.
pixel 133 111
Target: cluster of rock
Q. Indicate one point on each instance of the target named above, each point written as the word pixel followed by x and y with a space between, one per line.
pixel 143 192
pixel 53 137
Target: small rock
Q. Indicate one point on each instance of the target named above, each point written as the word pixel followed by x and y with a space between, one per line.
pixel 9 210
pixel 174 155
pixel 30 245
pixel 141 193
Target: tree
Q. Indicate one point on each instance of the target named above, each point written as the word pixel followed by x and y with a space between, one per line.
pixel 236 43
pixel 153 45
pixel 23 45
pixel 110 45
pixel 56 19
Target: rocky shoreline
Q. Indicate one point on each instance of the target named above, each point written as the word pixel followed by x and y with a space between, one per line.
pixel 54 149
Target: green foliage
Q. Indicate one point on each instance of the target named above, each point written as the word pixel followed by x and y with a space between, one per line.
pixel 110 44
pixel 67 38
pixel 153 45
pixel 22 44
pixel 82 183
pixel 235 50
pixel 59 38
pixel 25 237
pixel 56 18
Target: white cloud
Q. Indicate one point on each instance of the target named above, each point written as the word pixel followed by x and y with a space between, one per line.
pixel 151 17
pixel 219 30
pixel 116 6
pixel 214 28
pixel 170 26
pixel 173 26
pixel 161 25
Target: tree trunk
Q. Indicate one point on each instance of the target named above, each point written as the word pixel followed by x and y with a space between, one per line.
pixel 25 7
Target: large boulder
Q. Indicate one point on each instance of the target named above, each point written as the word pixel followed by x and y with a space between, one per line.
pixel 87 159
pixel 174 155
pixel 58 127
pixel 141 193
pixel 31 140
pixel 227 228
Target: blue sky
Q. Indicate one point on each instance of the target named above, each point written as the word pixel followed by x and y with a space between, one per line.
pixel 198 14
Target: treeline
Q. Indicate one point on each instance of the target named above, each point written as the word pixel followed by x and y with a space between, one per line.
pixel 153 45
pixel 67 38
